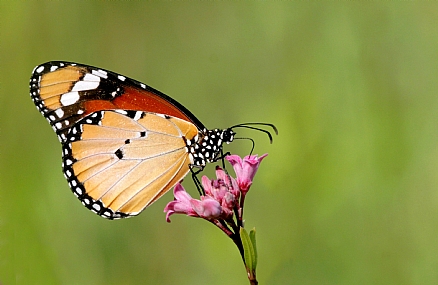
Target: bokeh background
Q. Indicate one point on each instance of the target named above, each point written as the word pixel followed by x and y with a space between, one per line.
pixel 347 195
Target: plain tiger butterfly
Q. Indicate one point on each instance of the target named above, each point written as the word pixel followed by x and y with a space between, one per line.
pixel 124 144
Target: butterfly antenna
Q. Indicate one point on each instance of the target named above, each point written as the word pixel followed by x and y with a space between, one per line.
pixel 249 126
pixel 252 141
pixel 260 124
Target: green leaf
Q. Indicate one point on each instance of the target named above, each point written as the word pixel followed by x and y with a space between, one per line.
pixel 249 252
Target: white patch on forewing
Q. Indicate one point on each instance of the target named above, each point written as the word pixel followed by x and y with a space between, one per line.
pixel 40 69
pixel 86 85
pixel 100 73
pixel 91 77
pixel 69 98
pixel 59 112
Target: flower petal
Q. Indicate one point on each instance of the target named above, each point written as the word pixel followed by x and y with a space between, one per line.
pixel 180 193
pixel 207 184
pixel 181 204
pixel 207 208
pixel 245 169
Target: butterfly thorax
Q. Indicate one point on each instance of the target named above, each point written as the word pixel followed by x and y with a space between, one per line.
pixel 207 146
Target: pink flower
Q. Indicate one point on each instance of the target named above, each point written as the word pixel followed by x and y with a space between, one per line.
pixel 206 208
pixel 245 169
pixel 224 190
pixel 222 204
pixel 224 197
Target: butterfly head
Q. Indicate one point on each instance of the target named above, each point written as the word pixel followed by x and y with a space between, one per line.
pixel 227 135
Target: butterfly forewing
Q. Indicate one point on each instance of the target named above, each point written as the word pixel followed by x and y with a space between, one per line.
pixel 66 92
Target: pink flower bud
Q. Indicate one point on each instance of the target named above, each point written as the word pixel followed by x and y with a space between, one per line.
pixel 245 169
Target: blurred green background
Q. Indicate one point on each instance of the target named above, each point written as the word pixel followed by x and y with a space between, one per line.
pixel 347 195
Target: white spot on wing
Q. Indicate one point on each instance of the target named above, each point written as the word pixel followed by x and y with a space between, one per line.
pixel 121 77
pixel 137 116
pixel 53 68
pixel 85 85
pixel 100 73
pixel 40 69
pixel 91 77
pixel 96 207
pixel 59 112
pixel 69 98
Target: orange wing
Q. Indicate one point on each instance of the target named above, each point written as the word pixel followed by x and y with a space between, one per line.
pixel 118 162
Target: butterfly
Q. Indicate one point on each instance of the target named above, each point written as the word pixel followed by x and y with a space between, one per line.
pixel 124 144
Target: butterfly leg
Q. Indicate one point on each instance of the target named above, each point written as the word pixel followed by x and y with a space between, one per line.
pixel 221 157
pixel 196 179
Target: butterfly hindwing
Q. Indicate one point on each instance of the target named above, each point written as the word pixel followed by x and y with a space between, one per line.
pixel 118 162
